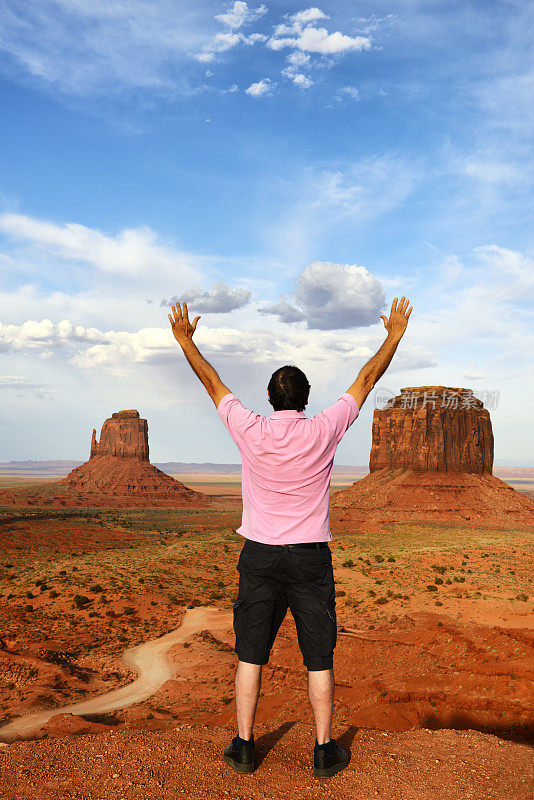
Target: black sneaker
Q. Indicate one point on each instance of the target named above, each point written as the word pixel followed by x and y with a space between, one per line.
pixel 326 764
pixel 241 760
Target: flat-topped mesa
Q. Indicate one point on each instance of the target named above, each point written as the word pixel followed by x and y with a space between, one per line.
pixel 431 461
pixel 433 428
pixel 124 435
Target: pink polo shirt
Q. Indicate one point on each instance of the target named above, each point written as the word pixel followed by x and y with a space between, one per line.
pixel 287 464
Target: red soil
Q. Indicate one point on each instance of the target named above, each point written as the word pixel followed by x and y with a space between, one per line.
pixel 404 495
pixel 109 482
pixel 185 761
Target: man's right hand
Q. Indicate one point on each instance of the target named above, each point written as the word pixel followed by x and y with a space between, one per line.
pixel 398 318
pixel 371 372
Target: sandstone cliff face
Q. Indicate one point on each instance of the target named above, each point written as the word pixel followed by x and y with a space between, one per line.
pixel 431 460
pixel 117 475
pixel 124 434
pixel 119 472
pixel 433 428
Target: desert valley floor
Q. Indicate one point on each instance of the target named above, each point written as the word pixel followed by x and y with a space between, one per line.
pixel 434 664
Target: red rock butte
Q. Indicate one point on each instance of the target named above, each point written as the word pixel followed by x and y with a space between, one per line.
pixel 118 474
pixel 431 460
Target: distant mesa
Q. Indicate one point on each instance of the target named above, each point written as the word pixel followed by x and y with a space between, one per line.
pixel 431 460
pixel 125 435
pixel 117 475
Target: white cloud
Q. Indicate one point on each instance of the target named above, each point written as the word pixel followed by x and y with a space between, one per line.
pixel 121 352
pixel 93 47
pixel 131 253
pixel 325 201
pixel 318 40
pixel 20 386
pixel 348 91
pixel 235 17
pixel 298 78
pixel 302 34
pixel 503 260
pixel 302 81
pixel 472 375
pixel 308 15
pixel 46 335
pixel 293 71
pixel 298 59
pixel 100 47
pixel 220 300
pixel 331 297
pixel 225 41
pixel 260 88
pixel 156 347
pixel 239 14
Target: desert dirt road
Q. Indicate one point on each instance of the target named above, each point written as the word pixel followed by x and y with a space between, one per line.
pixel 151 662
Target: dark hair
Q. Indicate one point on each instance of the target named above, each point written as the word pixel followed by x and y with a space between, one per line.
pixel 288 389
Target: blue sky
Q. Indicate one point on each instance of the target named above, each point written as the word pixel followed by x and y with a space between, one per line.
pixel 287 168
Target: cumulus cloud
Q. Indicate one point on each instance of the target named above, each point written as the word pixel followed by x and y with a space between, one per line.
pixel 302 33
pixel 44 336
pixel 301 80
pixel 332 296
pixel 120 351
pixel 156 347
pixel 238 14
pixel 299 33
pixel 220 300
pixel 102 48
pixel 295 64
pixel 233 18
pixel 132 252
pixel 260 88
pixel 308 15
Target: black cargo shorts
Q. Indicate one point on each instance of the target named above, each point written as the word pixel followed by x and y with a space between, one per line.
pixel 273 578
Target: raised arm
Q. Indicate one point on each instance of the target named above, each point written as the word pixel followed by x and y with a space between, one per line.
pixel 183 332
pixel 371 372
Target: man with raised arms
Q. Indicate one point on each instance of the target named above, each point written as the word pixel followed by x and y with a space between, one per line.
pixel 286 560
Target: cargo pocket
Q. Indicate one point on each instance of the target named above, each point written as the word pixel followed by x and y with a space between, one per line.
pixel 331 610
pixel 239 622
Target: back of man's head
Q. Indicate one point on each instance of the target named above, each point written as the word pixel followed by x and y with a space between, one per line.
pixel 288 389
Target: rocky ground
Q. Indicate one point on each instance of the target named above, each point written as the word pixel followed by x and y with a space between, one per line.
pixel 185 761
pixel 435 648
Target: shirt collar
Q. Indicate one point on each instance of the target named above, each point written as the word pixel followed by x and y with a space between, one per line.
pixel 288 414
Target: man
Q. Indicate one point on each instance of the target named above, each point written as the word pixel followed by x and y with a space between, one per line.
pixel 286 561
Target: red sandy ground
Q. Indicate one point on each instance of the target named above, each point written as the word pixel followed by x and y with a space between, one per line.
pixel 403 495
pixel 434 701
pixel 108 482
pixel 185 761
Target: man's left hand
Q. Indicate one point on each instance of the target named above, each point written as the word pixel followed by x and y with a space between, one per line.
pixel 182 329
